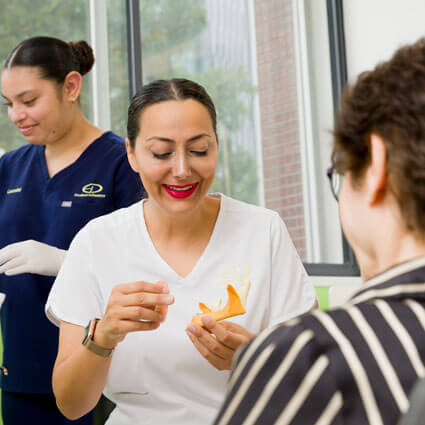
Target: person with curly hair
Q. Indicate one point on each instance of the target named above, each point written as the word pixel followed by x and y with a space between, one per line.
pixel 357 364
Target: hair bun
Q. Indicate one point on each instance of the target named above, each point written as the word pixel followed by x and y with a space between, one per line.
pixel 83 54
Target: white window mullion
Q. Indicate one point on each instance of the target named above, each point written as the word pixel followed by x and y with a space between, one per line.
pixel 256 102
pixel 100 72
pixel 308 152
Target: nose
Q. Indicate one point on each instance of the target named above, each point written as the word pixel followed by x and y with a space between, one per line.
pixel 181 166
pixel 16 113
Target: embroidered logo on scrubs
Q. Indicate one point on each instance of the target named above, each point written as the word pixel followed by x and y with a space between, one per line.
pixel 16 190
pixel 92 190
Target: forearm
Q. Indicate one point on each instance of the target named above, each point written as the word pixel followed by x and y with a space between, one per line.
pixel 78 382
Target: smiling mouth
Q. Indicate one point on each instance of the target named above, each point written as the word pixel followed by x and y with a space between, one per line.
pixel 27 129
pixel 180 191
pixel 181 188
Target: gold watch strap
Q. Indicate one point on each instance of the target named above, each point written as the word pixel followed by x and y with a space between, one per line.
pixel 100 351
pixel 91 345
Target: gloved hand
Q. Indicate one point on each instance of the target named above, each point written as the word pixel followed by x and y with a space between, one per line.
pixel 31 257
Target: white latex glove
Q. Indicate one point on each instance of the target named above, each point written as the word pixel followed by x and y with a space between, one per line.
pixel 31 257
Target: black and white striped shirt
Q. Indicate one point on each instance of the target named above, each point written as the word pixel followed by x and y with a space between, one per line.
pixel 352 365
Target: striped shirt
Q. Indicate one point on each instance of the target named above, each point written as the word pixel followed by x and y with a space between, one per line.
pixel 353 365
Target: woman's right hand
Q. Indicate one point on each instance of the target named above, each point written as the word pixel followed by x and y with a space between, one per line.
pixel 132 307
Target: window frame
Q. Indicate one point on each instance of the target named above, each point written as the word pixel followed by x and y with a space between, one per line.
pixel 100 71
pixel 349 267
pixel 134 46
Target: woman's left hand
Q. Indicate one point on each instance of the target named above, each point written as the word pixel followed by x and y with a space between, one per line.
pixel 218 341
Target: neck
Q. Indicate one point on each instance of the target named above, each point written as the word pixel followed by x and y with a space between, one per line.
pixel 75 140
pixel 392 249
pixel 164 226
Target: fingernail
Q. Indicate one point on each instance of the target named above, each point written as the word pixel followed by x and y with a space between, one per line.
pixel 191 329
pixel 169 299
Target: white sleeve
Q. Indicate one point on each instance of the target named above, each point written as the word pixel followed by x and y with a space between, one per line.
pixel 75 296
pixel 291 292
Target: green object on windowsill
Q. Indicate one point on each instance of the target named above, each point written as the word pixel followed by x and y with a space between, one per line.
pixel 323 297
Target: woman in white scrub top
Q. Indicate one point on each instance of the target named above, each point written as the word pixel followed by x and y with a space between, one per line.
pixel 134 278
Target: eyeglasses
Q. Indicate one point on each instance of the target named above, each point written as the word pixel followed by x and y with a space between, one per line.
pixel 335 181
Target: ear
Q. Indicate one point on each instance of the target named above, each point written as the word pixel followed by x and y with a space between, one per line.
pixel 72 86
pixel 377 171
pixel 130 155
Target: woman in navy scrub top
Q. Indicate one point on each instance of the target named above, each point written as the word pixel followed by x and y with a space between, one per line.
pixel 69 173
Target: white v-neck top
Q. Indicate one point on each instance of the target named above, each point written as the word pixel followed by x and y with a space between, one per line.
pixel 158 377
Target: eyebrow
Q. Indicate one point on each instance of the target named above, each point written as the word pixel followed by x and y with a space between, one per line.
pixel 165 139
pixel 20 94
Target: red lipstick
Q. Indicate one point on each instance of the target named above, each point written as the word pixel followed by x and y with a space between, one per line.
pixel 180 192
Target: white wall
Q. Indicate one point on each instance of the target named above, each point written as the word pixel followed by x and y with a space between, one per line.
pixel 336 280
pixel 374 29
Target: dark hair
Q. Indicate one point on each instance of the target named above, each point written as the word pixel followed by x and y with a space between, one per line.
pixel 388 101
pixel 160 91
pixel 54 58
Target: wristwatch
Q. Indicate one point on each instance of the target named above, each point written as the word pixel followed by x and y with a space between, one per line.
pixel 90 344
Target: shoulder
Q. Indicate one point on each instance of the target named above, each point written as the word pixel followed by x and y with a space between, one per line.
pixel 15 161
pixel 283 336
pixel 341 330
pixel 294 344
pixel 298 343
pixel 110 149
pixel 240 209
pixel 243 217
pixel 111 138
pixel 23 153
pixel 323 331
pixel 116 222
pixel 283 362
pixel 110 144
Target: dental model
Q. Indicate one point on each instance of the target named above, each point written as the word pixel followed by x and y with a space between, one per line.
pixel 235 305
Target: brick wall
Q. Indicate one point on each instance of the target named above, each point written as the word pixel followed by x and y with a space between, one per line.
pixel 279 119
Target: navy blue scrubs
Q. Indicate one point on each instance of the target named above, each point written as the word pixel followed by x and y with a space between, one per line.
pixel 50 210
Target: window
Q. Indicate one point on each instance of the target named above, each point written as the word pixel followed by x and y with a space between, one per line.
pixel 213 43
